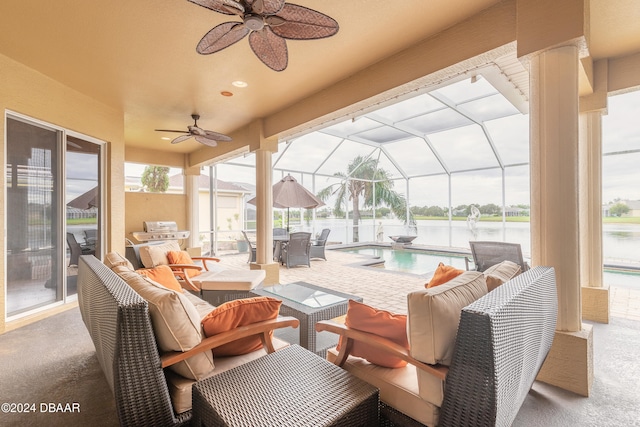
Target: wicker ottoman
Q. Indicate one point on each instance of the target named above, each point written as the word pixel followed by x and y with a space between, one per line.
pixel 291 387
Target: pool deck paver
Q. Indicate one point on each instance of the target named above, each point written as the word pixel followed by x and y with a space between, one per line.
pixel 388 290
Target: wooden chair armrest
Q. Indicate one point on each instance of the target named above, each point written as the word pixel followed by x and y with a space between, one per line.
pixel 187 266
pixel 205 259
pixel 381 343
pixel 259 328
pixel 180 270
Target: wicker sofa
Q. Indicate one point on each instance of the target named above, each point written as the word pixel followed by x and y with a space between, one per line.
pixel 120 324
pixel 478 374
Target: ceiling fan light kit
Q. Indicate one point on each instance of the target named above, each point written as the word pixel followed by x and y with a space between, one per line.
pixel 268 23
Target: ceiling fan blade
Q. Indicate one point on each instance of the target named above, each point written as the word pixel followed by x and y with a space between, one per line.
pixel 269 48
pixel 170 130
pixel 181 138
pixel 266 7
pixel 206 141
pixel 304 24
pixel 221 36
pixel 217 136
pixel 227 7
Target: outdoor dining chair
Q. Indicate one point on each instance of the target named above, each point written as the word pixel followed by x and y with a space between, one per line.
pixel 317 248
pixel 77 249
pixel 486 254
pixel 296 250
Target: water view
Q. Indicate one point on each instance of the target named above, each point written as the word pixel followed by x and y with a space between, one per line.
pixel 620 243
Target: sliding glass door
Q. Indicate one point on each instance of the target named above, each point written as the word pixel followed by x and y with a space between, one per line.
pixel 47 169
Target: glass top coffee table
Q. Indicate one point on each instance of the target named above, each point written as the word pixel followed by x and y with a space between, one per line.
pixel 309 304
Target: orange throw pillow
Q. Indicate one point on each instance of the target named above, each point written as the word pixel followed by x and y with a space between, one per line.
pixel 443 274
pixel 240 312
pixel 163 275
pixel 183 257
pixel 382 323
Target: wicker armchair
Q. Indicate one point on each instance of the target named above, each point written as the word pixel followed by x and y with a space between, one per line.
pixel 501 343
pixel 487 254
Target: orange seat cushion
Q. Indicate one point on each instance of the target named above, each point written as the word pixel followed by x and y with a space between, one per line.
pixel 443 274
pixel 183 257
pixel 240 312
pixel 379 322
pixel 163 275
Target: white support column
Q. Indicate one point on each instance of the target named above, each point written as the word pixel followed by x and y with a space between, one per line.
pixel 554 175
pixel 595 296
pixel 264 207
pixel 264 218
pixel 555 230
pixel 193 212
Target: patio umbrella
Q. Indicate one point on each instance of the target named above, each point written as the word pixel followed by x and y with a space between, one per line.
pixel 288 193
pixel 86 200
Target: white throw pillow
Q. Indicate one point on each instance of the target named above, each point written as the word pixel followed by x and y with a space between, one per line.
pixel 113 259
pixel 434 315
pixel 500 273
pixel 155 255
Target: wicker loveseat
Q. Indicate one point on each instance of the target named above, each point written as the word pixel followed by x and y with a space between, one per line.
pixel 121 327
pixel 215 284
pixel 476 375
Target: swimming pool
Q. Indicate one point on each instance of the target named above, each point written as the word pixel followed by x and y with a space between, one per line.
pixel 421 262
pixel 407 260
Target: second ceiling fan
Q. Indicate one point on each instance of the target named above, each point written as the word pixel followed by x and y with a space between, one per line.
pixel 206 137
pixel 268 23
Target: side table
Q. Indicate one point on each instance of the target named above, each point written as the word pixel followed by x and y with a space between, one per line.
pixel 291 387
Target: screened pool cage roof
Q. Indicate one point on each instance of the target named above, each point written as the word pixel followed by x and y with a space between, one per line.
pixel 463 126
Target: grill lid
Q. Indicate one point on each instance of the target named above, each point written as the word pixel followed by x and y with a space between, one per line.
pixel 159 226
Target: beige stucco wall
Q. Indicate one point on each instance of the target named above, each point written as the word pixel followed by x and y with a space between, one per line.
pixel 142 207
pixel 25 91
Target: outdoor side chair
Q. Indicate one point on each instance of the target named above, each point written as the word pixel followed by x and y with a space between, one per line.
pixel 317 248
pixel 296 250
pixel 77 249
pixel 486 254
pixel 252 248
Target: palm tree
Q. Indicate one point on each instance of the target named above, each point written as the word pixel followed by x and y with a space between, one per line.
pixel 365 180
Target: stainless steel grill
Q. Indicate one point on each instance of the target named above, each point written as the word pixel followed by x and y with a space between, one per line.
pixel 160 230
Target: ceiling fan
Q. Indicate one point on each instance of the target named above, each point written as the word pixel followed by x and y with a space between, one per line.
pixel 268 23
pixel 206 137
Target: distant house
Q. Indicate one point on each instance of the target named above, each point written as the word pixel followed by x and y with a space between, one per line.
pixel 515 211
pixel 228 203
pixel 634 208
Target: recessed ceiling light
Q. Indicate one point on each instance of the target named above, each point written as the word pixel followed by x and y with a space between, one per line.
pixel 226 93
pixel 240 83
pixel 166 138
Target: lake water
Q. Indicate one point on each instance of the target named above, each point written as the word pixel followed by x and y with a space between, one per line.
pixel 621 242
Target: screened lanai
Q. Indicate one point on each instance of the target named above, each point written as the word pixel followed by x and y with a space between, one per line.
pixel 461 143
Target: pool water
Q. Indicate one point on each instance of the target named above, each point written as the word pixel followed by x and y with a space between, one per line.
pixel 423 262
pixel 409 261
